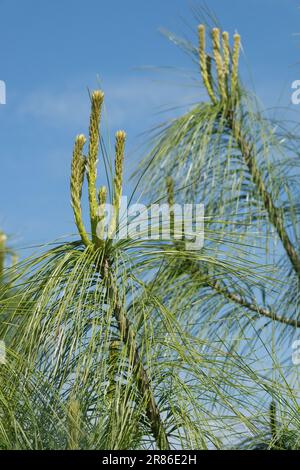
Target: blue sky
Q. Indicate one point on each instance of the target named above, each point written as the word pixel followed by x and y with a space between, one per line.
pixel 51 52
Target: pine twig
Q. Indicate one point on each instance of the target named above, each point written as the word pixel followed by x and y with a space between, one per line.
pixel 141 376
pixel 224 291
pixel 245 145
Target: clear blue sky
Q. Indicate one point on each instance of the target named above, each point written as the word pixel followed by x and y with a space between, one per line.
pixel 51 51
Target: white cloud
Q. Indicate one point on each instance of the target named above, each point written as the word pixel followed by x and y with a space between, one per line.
pixel 57 108
pixel 129 102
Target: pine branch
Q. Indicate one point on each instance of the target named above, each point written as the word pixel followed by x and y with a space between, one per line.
pixel 222 290
pixel 275 215
pixel 273 424
pixel 76 183
pixel 238 299
pixel 141 376
pixel 119 159
pixel 96 105
pixel 97 224
pixel 74 424
pixel 244 143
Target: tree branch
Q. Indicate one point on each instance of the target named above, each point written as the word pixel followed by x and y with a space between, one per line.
pixel 275 215
pixel 142 379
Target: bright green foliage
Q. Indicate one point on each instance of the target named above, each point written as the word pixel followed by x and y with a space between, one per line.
pixel 136 343
pixel 225 154
pixel 111 363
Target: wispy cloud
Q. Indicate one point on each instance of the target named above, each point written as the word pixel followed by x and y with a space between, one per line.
pixel 64 107
pixel 129 102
